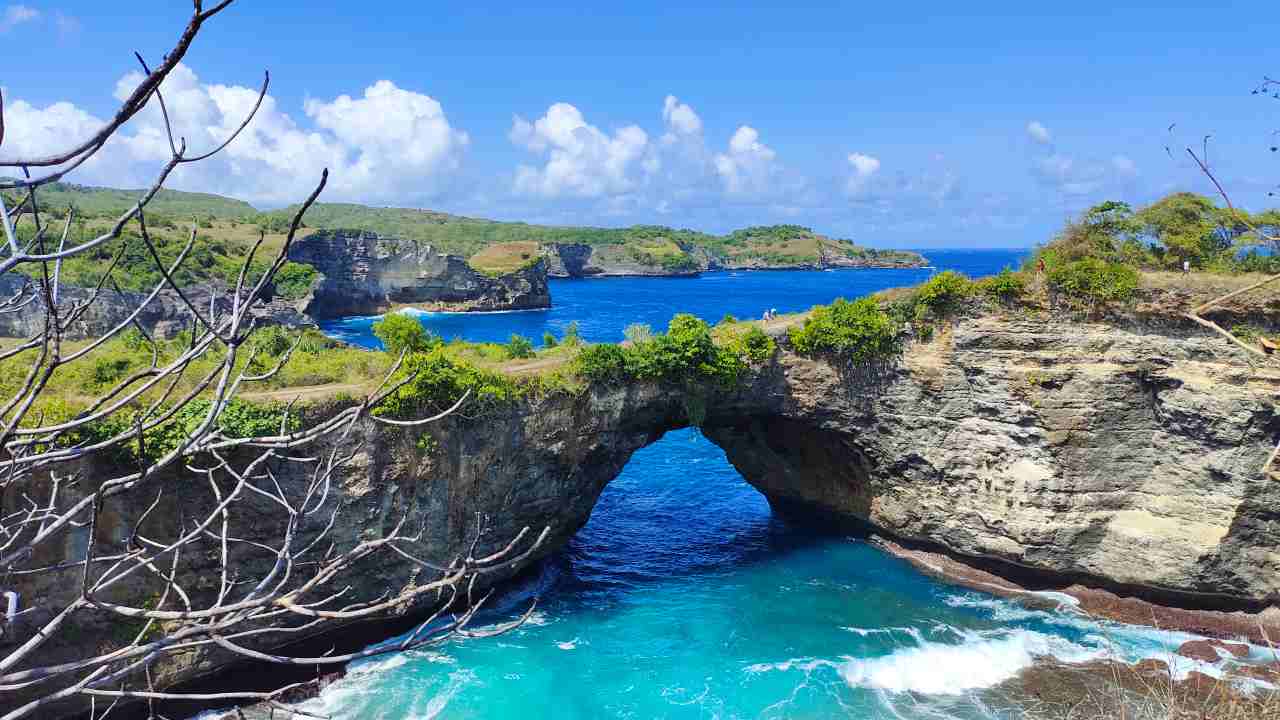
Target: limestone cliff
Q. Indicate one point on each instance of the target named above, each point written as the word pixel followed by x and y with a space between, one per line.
pixel 1124 456
pixel 164 316
pixel 579 260
pixel 366 274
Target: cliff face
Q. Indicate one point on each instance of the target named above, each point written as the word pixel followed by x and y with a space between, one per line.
pixel 164 316
pixel 578 260
pixel 1120 457
pixel 364 274
pixel 565 260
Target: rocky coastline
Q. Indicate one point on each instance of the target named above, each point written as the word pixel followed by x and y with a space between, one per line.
pixel 576 260
pixel 1114 461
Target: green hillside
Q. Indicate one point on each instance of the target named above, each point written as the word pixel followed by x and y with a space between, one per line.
pixel 227 228
pixel 95 201
pixel 467 236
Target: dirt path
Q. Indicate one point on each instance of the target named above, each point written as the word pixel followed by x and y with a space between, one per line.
pixel 308 392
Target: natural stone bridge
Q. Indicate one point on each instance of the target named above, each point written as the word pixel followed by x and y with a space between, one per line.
pixel 1120 458
pixel 1124 458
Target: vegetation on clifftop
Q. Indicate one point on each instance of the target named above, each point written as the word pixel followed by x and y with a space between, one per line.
pixel 690 351
pixel 856 331
pixel 227 228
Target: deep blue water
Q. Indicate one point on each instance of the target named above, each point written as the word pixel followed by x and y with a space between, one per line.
pixel 684 597
pixel 603 307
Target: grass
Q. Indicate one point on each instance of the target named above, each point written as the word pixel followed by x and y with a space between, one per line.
pixel 174 203
pixel 227 228
pixel 503 258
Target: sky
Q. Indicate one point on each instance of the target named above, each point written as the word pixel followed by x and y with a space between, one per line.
pixel 894 124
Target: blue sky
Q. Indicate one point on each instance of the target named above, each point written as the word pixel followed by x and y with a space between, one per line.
pixel 896 124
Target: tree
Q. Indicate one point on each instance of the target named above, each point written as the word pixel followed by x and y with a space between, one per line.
pixel 1261 234
pixel 1112 218
pixel 170 523
pixel 402 333
pixel 519 347
pixel 1190 227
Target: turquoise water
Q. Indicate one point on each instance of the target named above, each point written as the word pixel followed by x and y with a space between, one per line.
pixel 684 597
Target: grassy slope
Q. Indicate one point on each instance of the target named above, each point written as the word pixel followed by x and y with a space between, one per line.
pixel 230 226
pixel 93 201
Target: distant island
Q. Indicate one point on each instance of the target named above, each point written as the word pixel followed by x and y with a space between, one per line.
pixel 357 259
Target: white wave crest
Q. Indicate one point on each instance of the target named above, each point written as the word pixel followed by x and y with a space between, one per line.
pixel 945 669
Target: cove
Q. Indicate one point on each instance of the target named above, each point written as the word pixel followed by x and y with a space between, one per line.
pixel 685 596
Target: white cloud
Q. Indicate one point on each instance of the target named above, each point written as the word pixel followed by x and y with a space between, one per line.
pixel 389 145
pixel 680 118
pixel 748 166
pixel 1039 133
pixel 15 15
pixel 582 160
pixel 1076 178
pixel 863 168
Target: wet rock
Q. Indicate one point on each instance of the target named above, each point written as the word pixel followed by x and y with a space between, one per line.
pixel 1208 650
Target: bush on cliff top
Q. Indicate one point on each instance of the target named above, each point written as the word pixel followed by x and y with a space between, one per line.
pixel 686 353
pixel 1094 281
pixel 436 382
pixel 944 290
pixel 403 333
pixel 1005 286
pixel 858 331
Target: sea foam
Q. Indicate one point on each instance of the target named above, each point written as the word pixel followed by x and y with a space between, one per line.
pixel 981 661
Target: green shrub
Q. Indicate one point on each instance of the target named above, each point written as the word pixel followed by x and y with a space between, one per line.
pixel 1005 286
pixel 686 353
pixel 109 369
pixel 437 382
pixel 270 343
pixel 239 419
pixel 944 290
pixel 604 363
pixel 858 331
pixel 293 280
pixel 571 336
pixel 519 347
pixel 637 333
pixel 400 333
pixel 1094 280
pixel 752 346
pixel 548 340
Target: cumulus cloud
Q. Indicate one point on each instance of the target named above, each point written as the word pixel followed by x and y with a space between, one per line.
pixel 863 167
pixel 15 15
pixel 680 118
pixel 748 166
pixel 390 144
pixel 1078 178
pixel 582 160
pixel 1039 133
